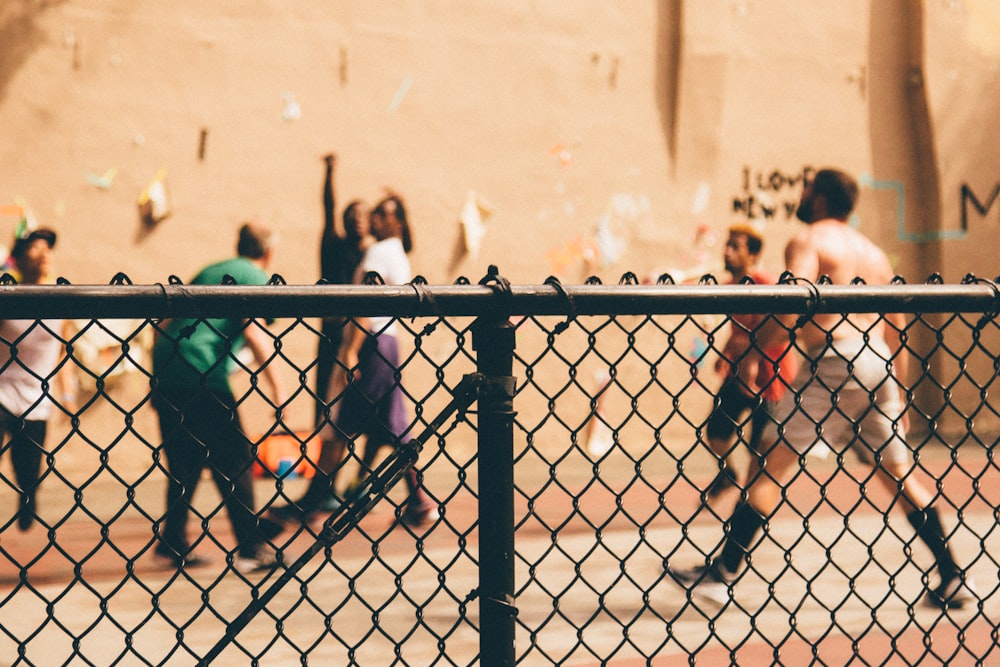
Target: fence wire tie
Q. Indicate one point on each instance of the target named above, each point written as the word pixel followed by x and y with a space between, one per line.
pixel 373 278
pixel 788 278
pixel 971 279
pixel 495 281
pixel 665 279
pixel 562 326
pixel 424 296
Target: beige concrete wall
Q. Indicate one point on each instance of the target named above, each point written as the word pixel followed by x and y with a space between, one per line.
pixel 605 137
pixel 662 114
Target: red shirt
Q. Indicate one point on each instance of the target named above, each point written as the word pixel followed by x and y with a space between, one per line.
pixel 742 326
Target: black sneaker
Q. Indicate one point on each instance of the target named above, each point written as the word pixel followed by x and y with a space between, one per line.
pixel 952 593
pixel 708 583
pixel 290 513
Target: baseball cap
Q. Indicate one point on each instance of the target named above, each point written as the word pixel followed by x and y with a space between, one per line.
pixel 22 242
pixel 749 229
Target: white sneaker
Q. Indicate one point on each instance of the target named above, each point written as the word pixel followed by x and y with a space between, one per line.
pixel 418 515
pixel 953 593
pixel 707 583
pixel 264 561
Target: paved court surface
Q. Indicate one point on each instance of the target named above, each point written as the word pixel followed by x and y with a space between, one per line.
pixel 618 605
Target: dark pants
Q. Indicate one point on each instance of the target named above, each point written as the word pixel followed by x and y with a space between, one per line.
pixel 26 446
pixel 332 335
pixel 727 417
pixel 202 428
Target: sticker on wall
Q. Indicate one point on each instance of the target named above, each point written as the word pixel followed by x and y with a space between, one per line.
pixel 102 181
pixel 154 202
pixel 473 217
pixel 292 111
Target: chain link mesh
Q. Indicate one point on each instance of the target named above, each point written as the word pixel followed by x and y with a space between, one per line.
pixel 612 472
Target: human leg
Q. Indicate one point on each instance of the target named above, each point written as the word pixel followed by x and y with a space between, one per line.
pixel 331 336
pixel 420 509
pixel 230 460
pixel 954 589
pixel 27 440
pixel 321 492
pixel 356 410
pixel 185 459
pixel 726 421
pixel 770 468
pixel 880 442
pixel 768 475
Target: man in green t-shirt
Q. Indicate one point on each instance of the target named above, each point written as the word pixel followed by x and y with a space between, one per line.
pixel 199 419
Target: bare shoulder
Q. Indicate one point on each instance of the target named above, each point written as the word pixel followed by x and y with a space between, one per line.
pixel 877 269
pixel 802 254
pixel 867 260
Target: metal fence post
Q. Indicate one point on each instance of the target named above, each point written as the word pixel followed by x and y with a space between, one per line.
pixel 493 341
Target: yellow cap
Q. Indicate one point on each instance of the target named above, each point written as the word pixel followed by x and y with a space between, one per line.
pixel 751 230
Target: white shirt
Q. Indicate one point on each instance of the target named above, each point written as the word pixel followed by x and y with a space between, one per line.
pixel 38 346
pixel 390 261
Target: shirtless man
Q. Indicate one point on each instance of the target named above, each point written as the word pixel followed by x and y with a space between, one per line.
pixel 849 353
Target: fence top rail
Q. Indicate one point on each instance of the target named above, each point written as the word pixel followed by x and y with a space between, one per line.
pixel 473 300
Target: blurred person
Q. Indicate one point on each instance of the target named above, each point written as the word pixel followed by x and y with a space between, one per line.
pixel 198 413
pixel 847 393
pixel 31 355
pixel 370 404
pixel 735 397
pixel 339 256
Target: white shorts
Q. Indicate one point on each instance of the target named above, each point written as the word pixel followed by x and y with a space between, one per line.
pixel 844 396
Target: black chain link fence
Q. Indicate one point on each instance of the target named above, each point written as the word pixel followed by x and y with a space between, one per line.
pixel 561 434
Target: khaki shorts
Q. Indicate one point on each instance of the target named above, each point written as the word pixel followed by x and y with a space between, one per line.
pixel 844 396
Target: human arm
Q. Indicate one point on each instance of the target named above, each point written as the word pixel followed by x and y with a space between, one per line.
pixel 329 198
pixel 355 333
pixel 65 381
pixel 258 341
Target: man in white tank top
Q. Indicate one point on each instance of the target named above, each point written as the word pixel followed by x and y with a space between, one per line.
pixel 30 351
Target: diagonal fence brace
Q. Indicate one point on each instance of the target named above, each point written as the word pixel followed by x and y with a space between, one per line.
pixel 340 523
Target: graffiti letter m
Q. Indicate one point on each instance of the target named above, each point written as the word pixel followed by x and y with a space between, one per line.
pixel 968 196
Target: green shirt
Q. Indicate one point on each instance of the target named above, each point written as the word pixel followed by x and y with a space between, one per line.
pixel 194 353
